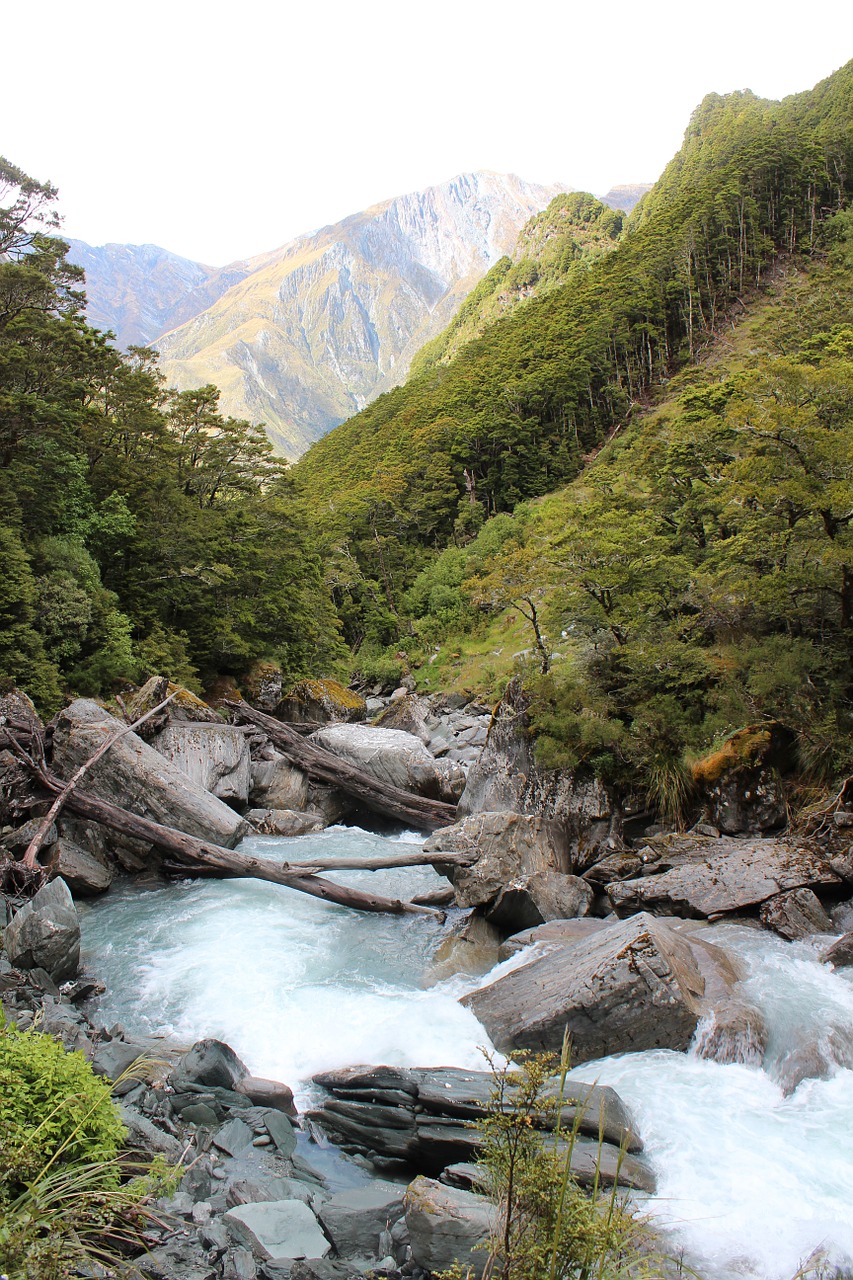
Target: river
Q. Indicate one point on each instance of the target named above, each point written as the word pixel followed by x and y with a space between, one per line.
pixel 753 1175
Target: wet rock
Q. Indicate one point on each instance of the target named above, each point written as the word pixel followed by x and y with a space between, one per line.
pixel 503 846
pixel 267 1093
pixel 45 933
pixel 277 784
pixel 553 931
pixel 284 822
pixel 795 915
pixel 277 1229
pixel 472 947
pixel 532 900
pixel 840 953
pixel 85 874
pixel 634 986
pixel 394 758
pixel 447 1225
pixel 136 777
pixel 213 756
pixel 354 1220
pixel 706 878
pixel 321 702
pixel 740 785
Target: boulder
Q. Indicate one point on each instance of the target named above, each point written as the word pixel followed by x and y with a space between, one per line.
pixel 633 986
pixel 85 874
pixel 355 1219
pixel 284 822
pixel 840 953
pixel 506 845
pixel 795 914
pixel 267 1093
pixel 471 947
pixel 554 931
pixel 740 785
pixel 447 1225
pixel 184 707
pixel 697 876
pixel 263 684
pixel 394 758
pixel 277 784
pixel 210 1063
pixel 275 1229
pixel 534 899
pixel 408 714
pixel 45 934
pixel 214 756
pixel 134 776
pixel 321 702
pixel 507 777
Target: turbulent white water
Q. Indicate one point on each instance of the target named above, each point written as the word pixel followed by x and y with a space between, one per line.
pixel 754 1174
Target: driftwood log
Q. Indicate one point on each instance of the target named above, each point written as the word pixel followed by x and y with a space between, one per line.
pixel 192 857
pixel 322 766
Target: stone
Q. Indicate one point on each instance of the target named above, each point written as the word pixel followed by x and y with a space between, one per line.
pixel 284 822
pixel 234 1136
pixel 145 1134
pixel 705 877
pixel 506 776
pixel 276 1229
pixel 321 702
pixel 554 931
pixel 281 1131
pixel 113 1058
pixel 795 915
pixel 633 986
pixel 211 1063
pixel 740 785
pixel 394 758
pixel 408 714
pixel 355 1219
pixel 45 933
pixel 214 756
pixel 185 707
pixel 177 1260
pixel 134 776
pixel 503 846
pixel 85 874
pixel 239 1265
pixel 251 1191
pixel 471 948
pixel 277 784
pixel 447 1225
pixel 267 1093
pixel 840 953
pixel 262 685
pixel 534 899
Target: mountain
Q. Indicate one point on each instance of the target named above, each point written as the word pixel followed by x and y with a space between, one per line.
pixel 137 291
pixel 317 329
pixel 626 195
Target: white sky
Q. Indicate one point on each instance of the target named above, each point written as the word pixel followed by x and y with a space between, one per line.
pixel 222 130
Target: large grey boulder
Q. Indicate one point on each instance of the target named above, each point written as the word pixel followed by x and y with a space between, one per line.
pixel 795 915
pixel 553 931
pixel 447 1225
pixel 394 758
pixel 85 873
pixel 506 846
pixel 507 777
pixel 708 877
pixel 840 954
pixel 134 776
pixel 355 1219
pixel 321 702
pixel 633 986
pixel 45 934
pixel 471 946
pixel 277 784
pixel 214 756
pixel 210 1063
pixel 409 714
pixel 276 1229
pixel 740 786
pixel 534 899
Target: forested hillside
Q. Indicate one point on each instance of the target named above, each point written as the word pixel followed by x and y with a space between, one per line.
pixel 699 574
pixel 140 529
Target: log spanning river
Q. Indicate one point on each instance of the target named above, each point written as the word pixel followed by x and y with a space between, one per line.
pixel 754 1175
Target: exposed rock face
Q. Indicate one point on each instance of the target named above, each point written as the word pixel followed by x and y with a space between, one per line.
pixel 740 785
pixel 325 324
pixel 796 914
pixel 447 1225
pixel 510 846
pixel 85 874
pixel 398 759
pixel 136 777
pixel 532 900
pixel 706 877
pixel 45 934
pixel 633 986
pixel 276 784
pixel 472 947
pixel 409 714
pixel 214 756
pixel 321 702
pixel 210 1063
pixel 507 777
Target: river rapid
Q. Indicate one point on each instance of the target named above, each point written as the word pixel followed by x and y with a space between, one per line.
pixel 754 1175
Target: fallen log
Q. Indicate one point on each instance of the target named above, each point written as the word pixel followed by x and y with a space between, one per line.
pixel 194 856
pixel 322 766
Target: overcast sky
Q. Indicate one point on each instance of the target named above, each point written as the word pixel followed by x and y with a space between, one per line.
pixel 222 130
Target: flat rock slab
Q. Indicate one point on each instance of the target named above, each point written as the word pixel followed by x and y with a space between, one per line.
pixel 634 986
pixel 277 1229
pixel 713 877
